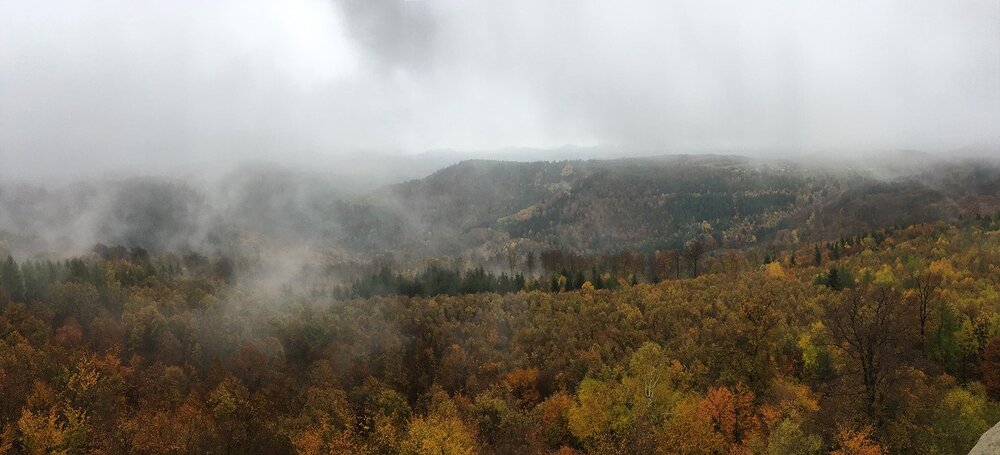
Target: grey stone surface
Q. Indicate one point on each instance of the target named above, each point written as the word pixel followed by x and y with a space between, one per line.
pixel 989 442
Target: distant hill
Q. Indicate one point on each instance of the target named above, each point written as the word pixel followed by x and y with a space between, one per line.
pixel 657 203
pixel 475 208
pixel 595 205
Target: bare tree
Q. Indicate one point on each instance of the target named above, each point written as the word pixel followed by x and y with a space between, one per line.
pixel 510 253
pixel 693 250
pixel 924 283
pixel 868 325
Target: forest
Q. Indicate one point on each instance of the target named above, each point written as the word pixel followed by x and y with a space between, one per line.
pixel 886 342
pixel 517 227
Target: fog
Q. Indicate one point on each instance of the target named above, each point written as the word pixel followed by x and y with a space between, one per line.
pixel 255 128
pixel 276 226
pixel 98 86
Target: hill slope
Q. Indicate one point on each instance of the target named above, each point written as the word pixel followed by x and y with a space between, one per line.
pixel 475 208
pixel 654 203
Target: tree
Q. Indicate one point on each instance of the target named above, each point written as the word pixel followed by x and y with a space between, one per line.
pixel 188 429
pixel 677 264
pixel 691 431
pixel 596 279
pixel 835 279
pixel 959 418
pixel 787 438
pixel 818 256
pixel 554 425
pixel 693 250
pixel 868 325
pixel 856 442
pixel 991 368
pixel 924 284
pixel 775 270
pixel 591 417
pixel 626 413
pixel 441 432
pixel 53 432
pixel 11 280
pixel 510 253
pixel 732 415
pixel 523 385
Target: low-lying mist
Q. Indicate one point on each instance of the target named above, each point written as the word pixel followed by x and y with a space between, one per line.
pixel 284 225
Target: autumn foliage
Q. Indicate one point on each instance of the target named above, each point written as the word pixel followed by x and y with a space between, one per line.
pixel 991 367
pixel 887 347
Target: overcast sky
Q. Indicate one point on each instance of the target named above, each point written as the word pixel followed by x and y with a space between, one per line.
pixel 95 84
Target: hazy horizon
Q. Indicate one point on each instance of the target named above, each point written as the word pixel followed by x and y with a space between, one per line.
pixel 98 86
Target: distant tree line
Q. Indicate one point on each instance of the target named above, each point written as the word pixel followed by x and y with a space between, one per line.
pixel 437 280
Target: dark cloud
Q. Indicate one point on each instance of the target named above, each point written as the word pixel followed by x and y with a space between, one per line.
pixel 392 32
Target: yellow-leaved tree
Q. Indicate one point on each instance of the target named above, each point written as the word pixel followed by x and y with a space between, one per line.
pixel 441 431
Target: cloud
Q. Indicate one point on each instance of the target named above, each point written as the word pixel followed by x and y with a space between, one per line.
pixel 392 32
pixel 92 85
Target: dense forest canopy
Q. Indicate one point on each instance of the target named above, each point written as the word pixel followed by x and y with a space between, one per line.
pixel 882 339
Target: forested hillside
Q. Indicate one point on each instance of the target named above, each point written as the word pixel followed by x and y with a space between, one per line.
pixel 677 304
pixel 892 346
pixel 444 227
pixel 473 213
pixel 649 204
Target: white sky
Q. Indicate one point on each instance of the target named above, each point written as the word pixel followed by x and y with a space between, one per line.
pixel 96 84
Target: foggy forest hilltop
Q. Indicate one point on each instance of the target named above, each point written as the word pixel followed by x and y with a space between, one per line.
pixel 514 227
pixel 671 304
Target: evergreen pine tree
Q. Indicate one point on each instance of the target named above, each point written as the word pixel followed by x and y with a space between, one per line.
pixel 11 280
pixel 596 279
